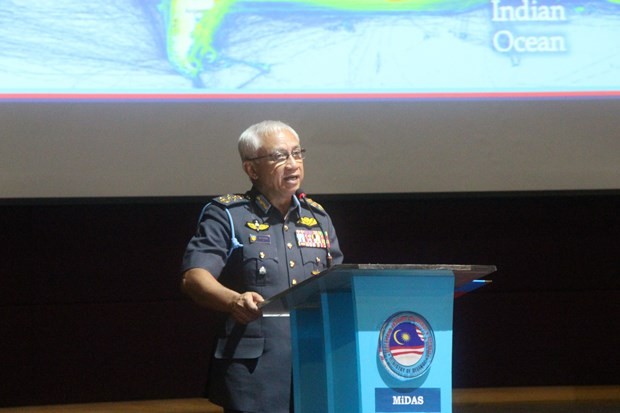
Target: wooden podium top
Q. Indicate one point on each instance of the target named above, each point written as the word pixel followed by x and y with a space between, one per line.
pixel 338 278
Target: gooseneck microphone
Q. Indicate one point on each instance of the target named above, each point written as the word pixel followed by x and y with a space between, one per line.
pixel 301 195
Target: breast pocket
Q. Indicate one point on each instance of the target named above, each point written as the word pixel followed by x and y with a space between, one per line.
pixel 314 260
pixel 260 261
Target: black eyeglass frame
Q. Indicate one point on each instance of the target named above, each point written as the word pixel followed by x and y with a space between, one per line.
pixel 300 157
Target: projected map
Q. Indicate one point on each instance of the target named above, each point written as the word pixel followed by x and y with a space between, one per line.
pixel 305 47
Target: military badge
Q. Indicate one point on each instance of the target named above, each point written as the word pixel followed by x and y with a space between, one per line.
pixel 257 226
pixel 307 222
pixel 262 202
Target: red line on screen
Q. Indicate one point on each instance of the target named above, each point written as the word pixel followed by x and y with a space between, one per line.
pixel 296 96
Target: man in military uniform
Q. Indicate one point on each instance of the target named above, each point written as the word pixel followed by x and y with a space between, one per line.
pixel 250 247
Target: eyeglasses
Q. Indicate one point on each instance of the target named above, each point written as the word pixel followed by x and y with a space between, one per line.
pixel 282 156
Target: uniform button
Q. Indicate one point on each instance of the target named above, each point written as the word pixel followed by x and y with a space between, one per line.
pixel 262 270
pixel 291 263
pixel 318 260
pixel 294 281
pixel 286 228
pixel 289 246
pixel 261 255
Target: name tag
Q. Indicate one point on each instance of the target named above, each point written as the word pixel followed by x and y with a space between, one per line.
pixel 260 239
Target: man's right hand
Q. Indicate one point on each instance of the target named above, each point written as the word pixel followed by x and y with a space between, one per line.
pixel 244 308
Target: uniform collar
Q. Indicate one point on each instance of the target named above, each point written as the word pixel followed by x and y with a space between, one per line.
pixel 264 205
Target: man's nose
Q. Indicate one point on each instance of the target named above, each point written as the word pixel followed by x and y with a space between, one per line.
pixel 291 161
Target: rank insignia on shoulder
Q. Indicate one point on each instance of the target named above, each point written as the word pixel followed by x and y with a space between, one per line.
pixel 315 204
pixel 230 199
pixel 307 222
pixel 257 226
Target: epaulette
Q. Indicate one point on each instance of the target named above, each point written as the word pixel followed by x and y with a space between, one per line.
pixel 230 199
pixel 315 205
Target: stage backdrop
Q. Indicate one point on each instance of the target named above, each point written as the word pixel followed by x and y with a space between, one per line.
pixel 147 98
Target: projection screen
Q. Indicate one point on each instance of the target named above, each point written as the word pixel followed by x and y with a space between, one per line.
pixel 147 98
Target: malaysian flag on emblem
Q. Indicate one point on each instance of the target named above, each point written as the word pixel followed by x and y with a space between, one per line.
pixel 407 344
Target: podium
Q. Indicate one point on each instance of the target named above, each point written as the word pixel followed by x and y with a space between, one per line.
pixel 374 338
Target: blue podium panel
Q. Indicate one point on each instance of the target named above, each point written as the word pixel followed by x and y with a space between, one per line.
pixel 309 377
pixel 341 354
pixel 374 338
pixel 404 337
pixel 324 349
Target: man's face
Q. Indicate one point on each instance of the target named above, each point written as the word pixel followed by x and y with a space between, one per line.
pixel 277 180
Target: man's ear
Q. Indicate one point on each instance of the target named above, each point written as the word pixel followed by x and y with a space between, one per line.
pixel 250 170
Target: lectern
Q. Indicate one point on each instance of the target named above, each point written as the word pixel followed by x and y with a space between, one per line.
pixel 374 338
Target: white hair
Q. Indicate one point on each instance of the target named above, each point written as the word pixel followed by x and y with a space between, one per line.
pixel 251 139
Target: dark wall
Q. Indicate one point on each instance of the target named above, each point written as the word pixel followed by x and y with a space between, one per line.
pixel 90 308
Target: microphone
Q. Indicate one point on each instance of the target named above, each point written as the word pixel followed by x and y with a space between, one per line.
pixel 301 195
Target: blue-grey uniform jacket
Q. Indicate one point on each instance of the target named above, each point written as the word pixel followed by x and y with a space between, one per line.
pixel 248 245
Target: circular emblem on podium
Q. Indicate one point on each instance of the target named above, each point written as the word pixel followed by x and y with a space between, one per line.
pixel 406 345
